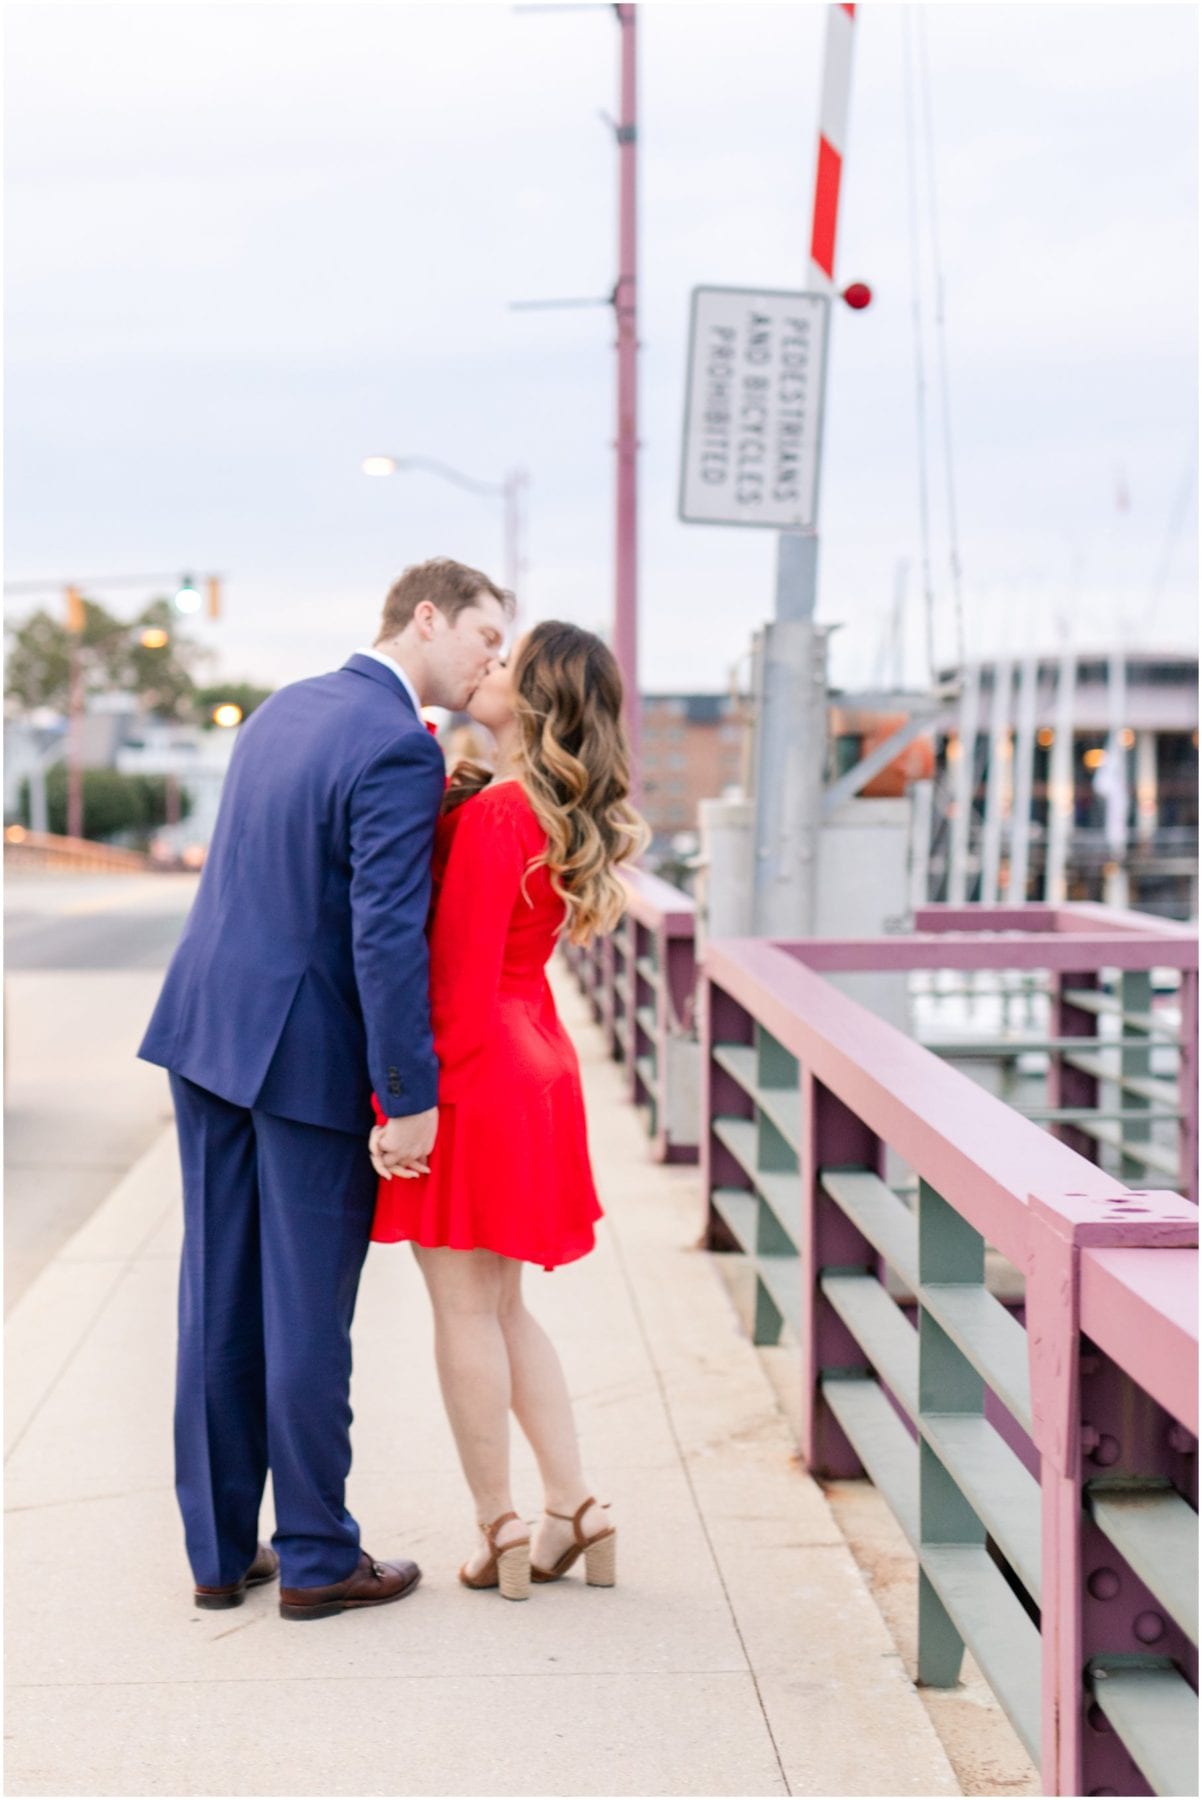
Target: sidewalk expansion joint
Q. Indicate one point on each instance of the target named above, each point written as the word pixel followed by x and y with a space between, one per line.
pixel 701 1519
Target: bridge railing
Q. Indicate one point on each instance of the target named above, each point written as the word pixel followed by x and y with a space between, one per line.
pixel 24 849
pixel 1105 1035
pixel 640 982
pixel 1042 1459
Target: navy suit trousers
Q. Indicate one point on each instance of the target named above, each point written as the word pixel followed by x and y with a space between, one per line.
pixel 277 1220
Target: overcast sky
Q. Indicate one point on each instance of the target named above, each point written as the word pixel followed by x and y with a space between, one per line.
pixel 247 244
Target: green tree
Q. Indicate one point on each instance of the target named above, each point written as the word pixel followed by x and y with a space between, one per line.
pixel 112 803
pixel 246 694
pixel 114 659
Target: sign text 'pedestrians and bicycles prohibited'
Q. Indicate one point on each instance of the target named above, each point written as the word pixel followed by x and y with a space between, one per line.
pixel 753 411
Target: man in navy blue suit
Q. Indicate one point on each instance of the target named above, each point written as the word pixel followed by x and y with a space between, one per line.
pixel 298 986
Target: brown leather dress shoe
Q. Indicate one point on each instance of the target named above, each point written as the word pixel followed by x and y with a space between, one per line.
pixel 371 1584
pixel 265 1567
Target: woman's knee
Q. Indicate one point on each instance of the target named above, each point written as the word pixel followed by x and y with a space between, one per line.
pixel 511 1305
pixel 462 1283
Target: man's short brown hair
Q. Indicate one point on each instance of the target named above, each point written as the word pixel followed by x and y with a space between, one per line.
pixel 450 586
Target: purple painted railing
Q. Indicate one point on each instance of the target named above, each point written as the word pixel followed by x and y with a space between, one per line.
pixel 640 982
pixel 1045 1472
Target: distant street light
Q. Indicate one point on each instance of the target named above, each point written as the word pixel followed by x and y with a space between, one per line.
pixel 227 715
pixel 508 490
pixel 154 638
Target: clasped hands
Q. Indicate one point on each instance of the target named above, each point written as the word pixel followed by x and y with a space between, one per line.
pixel 402 1146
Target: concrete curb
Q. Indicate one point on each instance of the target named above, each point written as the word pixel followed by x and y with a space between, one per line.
pixel 53 1317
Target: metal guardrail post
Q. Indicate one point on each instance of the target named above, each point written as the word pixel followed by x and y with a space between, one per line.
pixel 832 1136
pixel 640 982
pixel 1068 1086
pixel 1187 1084
pixel 1135 1062
pixel 1097 1429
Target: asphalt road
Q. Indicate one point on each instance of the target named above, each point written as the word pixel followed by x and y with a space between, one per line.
pixel 99 922
pixel 84 957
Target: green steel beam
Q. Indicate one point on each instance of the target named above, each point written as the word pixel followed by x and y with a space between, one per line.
pixel 881 1329
pixel 878 1215
pixel 881 1442
pixel 1155 1712
pixel 1156 1530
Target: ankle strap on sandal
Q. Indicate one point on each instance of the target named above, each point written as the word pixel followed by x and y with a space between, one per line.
pixel 490 1531
pixel 573 1519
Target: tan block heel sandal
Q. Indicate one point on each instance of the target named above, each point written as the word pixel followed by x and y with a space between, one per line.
pixel 507 1569
pixel 600 1551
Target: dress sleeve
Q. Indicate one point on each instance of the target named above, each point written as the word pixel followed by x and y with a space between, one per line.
pixel 480 887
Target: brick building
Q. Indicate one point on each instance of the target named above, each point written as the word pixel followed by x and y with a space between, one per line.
pixel 692 750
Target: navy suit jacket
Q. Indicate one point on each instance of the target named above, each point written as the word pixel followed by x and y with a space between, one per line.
pixel 301 979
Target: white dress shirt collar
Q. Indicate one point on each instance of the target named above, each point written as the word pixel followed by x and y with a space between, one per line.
pixel 389 663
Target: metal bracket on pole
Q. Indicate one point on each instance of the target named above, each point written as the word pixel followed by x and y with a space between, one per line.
pixel 878 759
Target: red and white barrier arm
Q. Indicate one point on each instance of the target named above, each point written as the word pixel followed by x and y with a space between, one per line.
pixel 832 139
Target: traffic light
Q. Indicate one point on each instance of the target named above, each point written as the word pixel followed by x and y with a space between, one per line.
pixel 77 618
pixel 213 597
pixel 187 599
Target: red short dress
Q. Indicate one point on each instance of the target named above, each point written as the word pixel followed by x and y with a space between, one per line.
pixel 510 1169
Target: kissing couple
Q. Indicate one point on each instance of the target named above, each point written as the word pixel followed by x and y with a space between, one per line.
pixel 370 940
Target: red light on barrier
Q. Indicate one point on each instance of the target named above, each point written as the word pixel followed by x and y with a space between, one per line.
pixel 858 295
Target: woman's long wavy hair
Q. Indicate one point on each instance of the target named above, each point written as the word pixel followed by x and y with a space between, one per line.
pixel 574 763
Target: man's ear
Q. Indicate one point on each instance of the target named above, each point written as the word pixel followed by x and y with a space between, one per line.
pixel 425 615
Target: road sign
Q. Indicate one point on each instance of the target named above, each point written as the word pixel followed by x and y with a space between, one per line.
pixel 753 411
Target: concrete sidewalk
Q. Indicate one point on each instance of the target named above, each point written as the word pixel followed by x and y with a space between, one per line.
pixel 740 1654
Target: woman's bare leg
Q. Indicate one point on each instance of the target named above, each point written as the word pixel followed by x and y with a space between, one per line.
pixel 541 1404
pixel 470 1348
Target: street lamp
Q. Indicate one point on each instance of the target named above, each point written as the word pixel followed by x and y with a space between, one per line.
pixel 508 490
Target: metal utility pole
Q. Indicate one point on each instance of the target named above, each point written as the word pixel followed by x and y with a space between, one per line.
pixel 1116 787
pixel 1061 790
pixel 626 587
pixel 1024 780
pixel 624 301
pixel 998 773
pixel 792 724
pixel 964 786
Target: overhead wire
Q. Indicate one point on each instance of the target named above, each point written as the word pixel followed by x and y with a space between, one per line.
pixel 941 339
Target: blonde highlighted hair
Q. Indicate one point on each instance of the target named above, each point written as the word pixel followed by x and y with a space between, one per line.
pixel 574 763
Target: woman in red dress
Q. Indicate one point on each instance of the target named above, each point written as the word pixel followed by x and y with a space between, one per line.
pixel 520 856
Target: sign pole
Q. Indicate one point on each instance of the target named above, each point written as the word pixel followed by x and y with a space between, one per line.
pixel 792 714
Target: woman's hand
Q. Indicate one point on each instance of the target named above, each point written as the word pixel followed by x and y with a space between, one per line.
pixel 402 1146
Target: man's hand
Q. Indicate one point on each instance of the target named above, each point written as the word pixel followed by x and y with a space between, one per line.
pixel 402 1146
